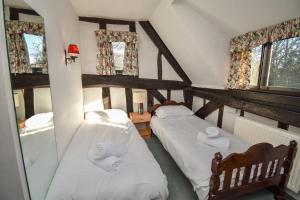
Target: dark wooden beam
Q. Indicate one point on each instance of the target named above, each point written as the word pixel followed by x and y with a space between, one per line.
pixel 157 95
pixel 97 20
pixel 169 94
pixel 270 110
pixel 150 100
pixel 23 81
pixel 129 100
pixel 89 80
pixel 103 22
pixel 220 116
pixel 288 102
pixel 14 13
pixel 188 98
pixel 106 98
pixel 283 126
pixel 132 27
pixel 242 113
pixel 208 109
pixel 153 35
pixel 29 102
pixel 102 25
pixel 159 66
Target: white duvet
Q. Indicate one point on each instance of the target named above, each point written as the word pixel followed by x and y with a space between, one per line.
pixel 179 137
pixel 40 158
pixel 139 176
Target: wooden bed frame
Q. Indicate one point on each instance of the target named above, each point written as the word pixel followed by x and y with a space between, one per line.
pixel 261 166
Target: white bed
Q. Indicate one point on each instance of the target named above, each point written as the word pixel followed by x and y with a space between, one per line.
pixel 138 178
pixel 40 157
pixel 178 135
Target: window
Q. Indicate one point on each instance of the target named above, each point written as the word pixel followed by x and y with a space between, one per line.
pixel 255 63
pixel 280 66
pixel 34 47
pixel 118 53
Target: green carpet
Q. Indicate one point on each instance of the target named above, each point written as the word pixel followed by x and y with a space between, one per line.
pixel 179 186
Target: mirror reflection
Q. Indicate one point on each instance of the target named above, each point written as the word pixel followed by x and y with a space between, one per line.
pixel 25 34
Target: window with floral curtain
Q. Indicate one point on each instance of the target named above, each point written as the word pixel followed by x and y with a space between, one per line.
pixel 26 47
pixel 244 47
pixel 117 53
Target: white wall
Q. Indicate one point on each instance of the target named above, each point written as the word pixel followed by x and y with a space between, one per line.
pixel 42 102
pixel 62 28
pixel 201 48
pixel 147 65
pixel 12 176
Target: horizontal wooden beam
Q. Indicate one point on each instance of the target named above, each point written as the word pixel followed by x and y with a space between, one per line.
pixel 90 80
pixel 287 102
pixel 153 35
pixel 106 21
pixel 24 81
pixel 261 108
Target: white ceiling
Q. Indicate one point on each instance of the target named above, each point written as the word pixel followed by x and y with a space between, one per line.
pixel 241 16
pixel 116 9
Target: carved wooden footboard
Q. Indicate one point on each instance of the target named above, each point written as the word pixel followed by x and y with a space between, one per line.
pixel 261 166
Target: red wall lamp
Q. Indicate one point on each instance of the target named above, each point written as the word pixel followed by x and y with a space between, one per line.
pixel 72 54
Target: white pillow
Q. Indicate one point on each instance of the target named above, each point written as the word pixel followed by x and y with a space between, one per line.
pixel 173 110
pixel 39 120
pixel 111 115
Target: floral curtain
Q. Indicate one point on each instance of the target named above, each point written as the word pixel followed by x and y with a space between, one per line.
pixel 241 46
pixel 105 64
pixel 18 55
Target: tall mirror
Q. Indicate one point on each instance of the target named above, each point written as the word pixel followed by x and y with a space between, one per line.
pixel 25 35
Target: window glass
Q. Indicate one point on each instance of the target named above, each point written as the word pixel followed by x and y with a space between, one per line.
pixel 255 63
pixel 34 45
pixel 284 69
pixel 118 52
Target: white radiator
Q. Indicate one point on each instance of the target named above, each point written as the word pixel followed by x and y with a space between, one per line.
pixel 254 132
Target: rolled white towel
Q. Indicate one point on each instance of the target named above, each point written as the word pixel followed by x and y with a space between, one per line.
pixel 100 151
pixel 110 164
pixel 212 132
pixel 219 142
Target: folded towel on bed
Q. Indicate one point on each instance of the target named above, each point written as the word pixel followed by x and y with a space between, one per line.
pixel 219 142
pixel 109 164
pixel 100 151
pixel 212 132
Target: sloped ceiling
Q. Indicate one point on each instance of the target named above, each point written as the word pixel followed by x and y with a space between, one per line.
pixel 240 16
pixel 116 9
pixel 197 32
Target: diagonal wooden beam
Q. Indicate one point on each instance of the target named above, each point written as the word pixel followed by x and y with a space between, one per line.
pixel 153 35
pixel 208 109
pixel 157 95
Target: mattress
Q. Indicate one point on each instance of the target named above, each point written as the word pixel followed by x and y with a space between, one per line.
pixel 40 158
pixel 139 176
pixel 178 135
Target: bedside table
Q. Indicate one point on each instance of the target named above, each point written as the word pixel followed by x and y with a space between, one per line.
pixel 142 119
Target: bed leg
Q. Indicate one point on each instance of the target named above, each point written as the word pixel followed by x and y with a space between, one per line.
pixel 279 193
